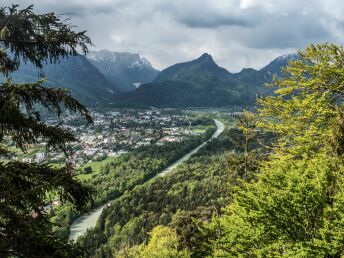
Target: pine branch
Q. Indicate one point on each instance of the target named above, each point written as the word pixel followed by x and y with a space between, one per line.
pixel 25 229
pixel 39 38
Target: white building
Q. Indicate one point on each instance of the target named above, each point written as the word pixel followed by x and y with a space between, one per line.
pixel 40 156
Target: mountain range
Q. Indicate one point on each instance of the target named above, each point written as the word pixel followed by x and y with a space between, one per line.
pixel 129 80
pixel 76 73
pixel 125 70
pixel 202 83
pixel 92 79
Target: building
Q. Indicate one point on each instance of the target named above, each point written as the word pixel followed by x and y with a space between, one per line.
pixel 40 156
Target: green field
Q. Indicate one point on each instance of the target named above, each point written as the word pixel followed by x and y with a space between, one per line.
pixel 30 152
pixel 96 167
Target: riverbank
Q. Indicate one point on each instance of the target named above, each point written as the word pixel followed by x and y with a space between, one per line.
pixel 89 219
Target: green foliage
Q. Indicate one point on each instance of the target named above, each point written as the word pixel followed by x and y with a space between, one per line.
pixel 25 228
pixel 187 225
pixel 293 208
pixel 123 173
pixel 20 119
pixel 163 243
pixel 38 38
pixel 87 170
pixel 196 189
pixel 286 212
pixel 127 171
pixel 307 103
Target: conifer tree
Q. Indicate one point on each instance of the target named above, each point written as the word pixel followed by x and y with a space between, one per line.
pixel 25 230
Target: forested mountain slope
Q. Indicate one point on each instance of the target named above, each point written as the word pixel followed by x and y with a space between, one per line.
pixel 202 83
pixel 75 73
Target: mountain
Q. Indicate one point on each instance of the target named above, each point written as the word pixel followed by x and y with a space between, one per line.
pixel 197 83
pixel 202 83
pixel 251 77
pixel 76 73
pixel 125 70
pixel 199 72
pixel 275 66
pixel 176 94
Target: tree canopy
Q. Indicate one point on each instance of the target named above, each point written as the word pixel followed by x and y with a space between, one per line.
pixel 163 243
pixel 294 207
pixel 37 38
pixel 25 229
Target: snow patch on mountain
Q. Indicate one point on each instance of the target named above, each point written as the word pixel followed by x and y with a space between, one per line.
pixel 137 84
pixel 123 68
pixel 287 57
pixel 125 59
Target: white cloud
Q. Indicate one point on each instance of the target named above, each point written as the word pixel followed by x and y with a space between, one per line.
pixel 244 4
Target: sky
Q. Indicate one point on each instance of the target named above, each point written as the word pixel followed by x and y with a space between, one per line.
pixel 237 33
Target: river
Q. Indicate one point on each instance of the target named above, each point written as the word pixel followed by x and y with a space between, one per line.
pixel 89 219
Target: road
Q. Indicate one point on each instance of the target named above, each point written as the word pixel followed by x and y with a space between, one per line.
pixel 89 219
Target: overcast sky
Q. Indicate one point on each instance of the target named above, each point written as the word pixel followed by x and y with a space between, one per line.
pixel 237 33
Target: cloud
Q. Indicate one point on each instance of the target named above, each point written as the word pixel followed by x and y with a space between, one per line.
pixel 212 14
pixel 238 33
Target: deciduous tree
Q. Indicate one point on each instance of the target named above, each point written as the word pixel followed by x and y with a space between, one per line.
pixel 294 206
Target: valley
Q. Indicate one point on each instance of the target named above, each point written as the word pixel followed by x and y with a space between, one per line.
pixel 195 188
pixel 113 133
pixel 119 151
pixel 146 125
pixel 89 220
pixel 171 129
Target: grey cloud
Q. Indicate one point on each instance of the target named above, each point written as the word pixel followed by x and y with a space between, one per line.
pixel 76 8
pixel 208 21
pixel 238 33
pixel 206 14
pixel 294 31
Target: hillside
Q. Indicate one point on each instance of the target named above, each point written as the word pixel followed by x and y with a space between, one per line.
pixel 75 73
pixel 202 83
pixel 109 77
pixel 201 73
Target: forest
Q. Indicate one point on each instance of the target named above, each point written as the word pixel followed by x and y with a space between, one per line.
pixel 270 186
pixel 195 190
pixel 127 171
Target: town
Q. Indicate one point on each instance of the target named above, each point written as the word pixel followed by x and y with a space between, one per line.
pixel 113 133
